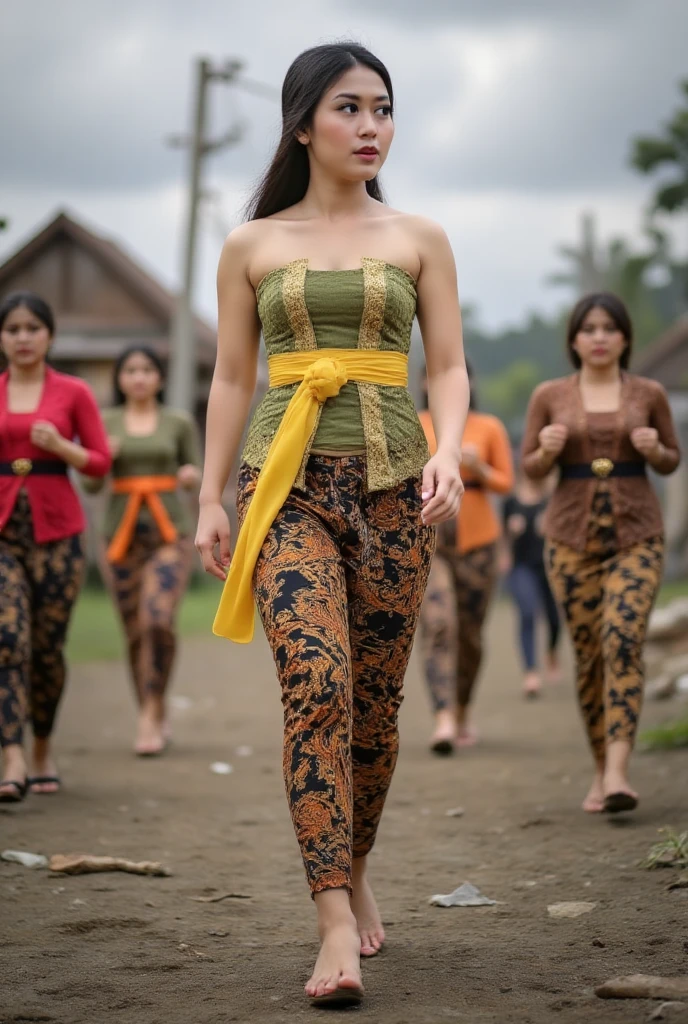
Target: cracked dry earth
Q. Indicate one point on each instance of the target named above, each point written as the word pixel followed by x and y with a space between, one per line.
pixel 123 949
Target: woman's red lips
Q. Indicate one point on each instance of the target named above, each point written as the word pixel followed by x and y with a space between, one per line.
pixel 367 151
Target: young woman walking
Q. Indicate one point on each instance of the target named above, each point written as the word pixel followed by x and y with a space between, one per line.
pixel 523 565
pixel 41 561
pixel 604 427
pixel 148 529
pixel 336 494
pixel 462 579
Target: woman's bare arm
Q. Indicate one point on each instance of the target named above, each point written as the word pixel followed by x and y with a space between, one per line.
pixel 439 317
pixel 231 393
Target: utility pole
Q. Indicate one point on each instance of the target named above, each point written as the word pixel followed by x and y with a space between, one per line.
pixel 182 342
pixel 182 373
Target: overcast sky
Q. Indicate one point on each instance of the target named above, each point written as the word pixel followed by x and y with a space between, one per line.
pixel 513 116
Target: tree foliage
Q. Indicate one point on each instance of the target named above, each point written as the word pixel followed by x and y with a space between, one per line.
pixel 651 153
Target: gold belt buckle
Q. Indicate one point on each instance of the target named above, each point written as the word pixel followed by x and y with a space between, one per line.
pixel 602 467
pixel 22 467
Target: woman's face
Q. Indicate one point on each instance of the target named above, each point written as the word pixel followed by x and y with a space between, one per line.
pixel 139 378
pixel 24 338
pixel 599 342
pixel 352 127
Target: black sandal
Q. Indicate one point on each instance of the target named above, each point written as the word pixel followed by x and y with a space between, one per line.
pixel 21 789
pixel 45 780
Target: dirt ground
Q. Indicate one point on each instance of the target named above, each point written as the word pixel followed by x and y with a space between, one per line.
pixel 122 949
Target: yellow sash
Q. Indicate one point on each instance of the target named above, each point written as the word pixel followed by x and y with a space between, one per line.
pixel 322 376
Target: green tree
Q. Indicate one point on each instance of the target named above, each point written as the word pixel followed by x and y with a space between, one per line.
pixel 506 394
pixel 668 150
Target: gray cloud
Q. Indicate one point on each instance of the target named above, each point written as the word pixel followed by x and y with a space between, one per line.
pixel 511 116
pixel 97 87
pixel 490 12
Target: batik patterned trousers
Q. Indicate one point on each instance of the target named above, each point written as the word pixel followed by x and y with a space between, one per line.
pixel 451 622
pixel 339 584
pixel 39 584
pixel 148 585
pixel 607 594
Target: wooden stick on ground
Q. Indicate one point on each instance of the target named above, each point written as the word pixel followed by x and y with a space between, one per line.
pixel 643 986
pixel 84 864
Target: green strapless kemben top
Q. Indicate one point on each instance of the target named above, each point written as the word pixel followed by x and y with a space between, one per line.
pixel 372 308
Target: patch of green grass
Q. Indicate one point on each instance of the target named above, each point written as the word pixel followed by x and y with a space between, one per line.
pixel 670 852
pixel 670 736
pixel 96 635
pixel 669 591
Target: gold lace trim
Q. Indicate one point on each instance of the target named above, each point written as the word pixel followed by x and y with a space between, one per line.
pixel 294 298
pixel 374 299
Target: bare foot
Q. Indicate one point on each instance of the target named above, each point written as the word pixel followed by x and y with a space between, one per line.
pixel 594 801
pixel 554 673
pixel 442 740
pixel 617 782
pixel 338 965
pixel 467 736
pixel 365 911
pixel 531 684
pixel 150 739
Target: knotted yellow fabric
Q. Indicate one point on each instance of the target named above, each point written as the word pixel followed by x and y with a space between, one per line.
pixel 322 377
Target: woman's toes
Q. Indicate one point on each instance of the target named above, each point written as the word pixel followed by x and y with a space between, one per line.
pixel 593 806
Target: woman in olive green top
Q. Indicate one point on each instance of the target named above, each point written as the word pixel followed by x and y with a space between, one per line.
pixel 147 529
pixel 333 277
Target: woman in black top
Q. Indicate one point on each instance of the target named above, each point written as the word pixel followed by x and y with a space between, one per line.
pixel 526 577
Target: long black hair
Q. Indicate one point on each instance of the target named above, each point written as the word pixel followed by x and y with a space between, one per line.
pixel 614 307
pixel 310 76
pixel 34 303
pixel 119 398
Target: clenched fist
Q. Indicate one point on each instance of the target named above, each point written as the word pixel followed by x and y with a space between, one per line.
pixel 45 435
pixel 553 438
pixel 646 441
pixel 189 476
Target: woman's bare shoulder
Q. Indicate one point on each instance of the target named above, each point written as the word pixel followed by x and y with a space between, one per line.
pixel 424 230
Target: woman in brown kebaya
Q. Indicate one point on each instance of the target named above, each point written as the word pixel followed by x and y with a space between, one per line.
pixel 604 427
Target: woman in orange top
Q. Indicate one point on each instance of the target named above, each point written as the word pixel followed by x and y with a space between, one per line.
pixel 462 578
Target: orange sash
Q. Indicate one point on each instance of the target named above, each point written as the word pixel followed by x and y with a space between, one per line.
pixel 140 489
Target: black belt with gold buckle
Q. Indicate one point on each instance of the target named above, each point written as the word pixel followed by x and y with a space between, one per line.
pixel 38 467
pixel 601 469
